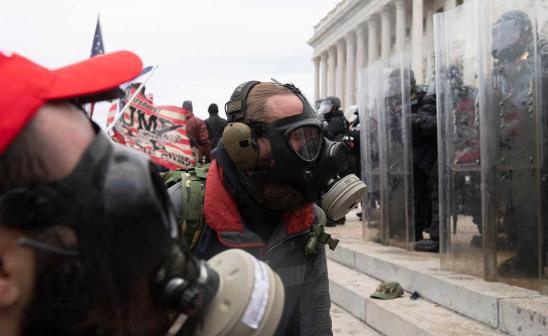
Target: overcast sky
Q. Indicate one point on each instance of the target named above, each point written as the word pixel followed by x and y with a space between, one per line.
pixel 204 48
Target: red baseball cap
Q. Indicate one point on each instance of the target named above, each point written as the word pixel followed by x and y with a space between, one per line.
pixel 26 86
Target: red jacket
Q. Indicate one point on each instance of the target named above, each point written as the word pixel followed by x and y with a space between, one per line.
pixel 199 137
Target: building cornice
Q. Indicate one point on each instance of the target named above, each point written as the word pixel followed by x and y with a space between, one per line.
pixel 346 16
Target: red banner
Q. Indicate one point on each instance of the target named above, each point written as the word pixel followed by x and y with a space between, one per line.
pixel 158 131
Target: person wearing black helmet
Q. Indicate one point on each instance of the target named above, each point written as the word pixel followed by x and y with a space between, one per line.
pixel 514 65
pixel 424 139
pixel 336 128
pixel 337 125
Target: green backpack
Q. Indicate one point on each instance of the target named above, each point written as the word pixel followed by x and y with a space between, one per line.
pixel 193 182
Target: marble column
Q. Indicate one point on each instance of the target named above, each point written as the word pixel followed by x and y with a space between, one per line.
pixel 360 48
pixel 372 23
pixel 429 44
pixel 417 40
pixel 339 82
pixel 350 91
pixel 316 78
pixel 386 33
pixel 400 25
pixel 331 72
pixel 323 69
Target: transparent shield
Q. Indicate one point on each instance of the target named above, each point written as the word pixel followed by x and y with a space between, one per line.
pixel 369 116
pixel 492 139
pixel 542 106
pixel 457 80
pixel 511 143
pixel 396 160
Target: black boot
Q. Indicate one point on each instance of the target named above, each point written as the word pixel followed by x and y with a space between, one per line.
pixel 427 245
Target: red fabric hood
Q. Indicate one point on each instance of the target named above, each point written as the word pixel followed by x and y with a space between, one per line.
pixel 222 215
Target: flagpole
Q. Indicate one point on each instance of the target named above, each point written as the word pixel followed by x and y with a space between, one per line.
pixel 97 37
pixel 91 109
pixel 131 99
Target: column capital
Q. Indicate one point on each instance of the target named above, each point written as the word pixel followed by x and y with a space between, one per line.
pixel 324 55
pixel 399 4
pixel 350 36
pixel 341 42
pixel 316 59
pixel 361 29
pixel 385 11
pixel 373 19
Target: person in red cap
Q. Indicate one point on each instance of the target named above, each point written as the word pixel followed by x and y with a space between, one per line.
pixel 84 225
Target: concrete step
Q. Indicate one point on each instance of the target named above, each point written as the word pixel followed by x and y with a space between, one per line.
pixel 344 324
pixel 350 290
pixel 514 310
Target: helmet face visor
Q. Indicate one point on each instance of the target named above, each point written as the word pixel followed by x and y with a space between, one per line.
pixel 306 141
pixel 506 34
pixel 325 107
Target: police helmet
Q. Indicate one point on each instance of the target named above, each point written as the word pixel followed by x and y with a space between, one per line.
pixel 512 35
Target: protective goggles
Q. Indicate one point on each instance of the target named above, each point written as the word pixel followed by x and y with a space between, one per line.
pixel 302 134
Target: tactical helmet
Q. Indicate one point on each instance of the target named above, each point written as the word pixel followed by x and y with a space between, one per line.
pixel 329 104
pixel 336 102
pixel 512 35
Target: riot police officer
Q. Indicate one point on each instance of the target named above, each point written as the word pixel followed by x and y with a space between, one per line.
pixel 337 125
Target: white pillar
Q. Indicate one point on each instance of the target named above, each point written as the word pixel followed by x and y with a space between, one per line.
pixel 400 25
pixel 450 4
pixel 360 48
pixel 331 72
pixel 417 40
pixel 386 33
pixel 429 45
pixel 372 39
pixel 323 92
pixel 316 78
pixel 339 86
pixel 350 92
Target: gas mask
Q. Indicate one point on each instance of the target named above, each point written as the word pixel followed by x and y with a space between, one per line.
pixel 129 243
pixel 305 159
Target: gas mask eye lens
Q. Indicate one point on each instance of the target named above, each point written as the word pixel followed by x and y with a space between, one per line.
pixel 306 141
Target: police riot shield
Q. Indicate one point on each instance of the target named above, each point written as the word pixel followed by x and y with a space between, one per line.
pixel 512 160
pixel 494 191
pixel 395 155
pixel 457 85
pixel 369 116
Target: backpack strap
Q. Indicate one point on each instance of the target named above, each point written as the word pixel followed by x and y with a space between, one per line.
pixel 193 182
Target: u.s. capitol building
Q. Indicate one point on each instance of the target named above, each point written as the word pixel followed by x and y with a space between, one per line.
pixel 359 32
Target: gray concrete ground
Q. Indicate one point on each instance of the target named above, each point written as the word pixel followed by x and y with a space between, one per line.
pixel 345 324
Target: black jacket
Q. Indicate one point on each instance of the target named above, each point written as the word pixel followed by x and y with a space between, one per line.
pixel 215 126
pixel 424 135
pixel 337 125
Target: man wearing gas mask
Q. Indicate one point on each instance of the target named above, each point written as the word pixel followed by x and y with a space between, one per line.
pixel 89 244
pixel 272 164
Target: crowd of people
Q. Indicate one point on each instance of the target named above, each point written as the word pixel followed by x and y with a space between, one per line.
pixel 94 242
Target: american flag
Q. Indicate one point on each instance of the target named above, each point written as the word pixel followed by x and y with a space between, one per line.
pixel 97 47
